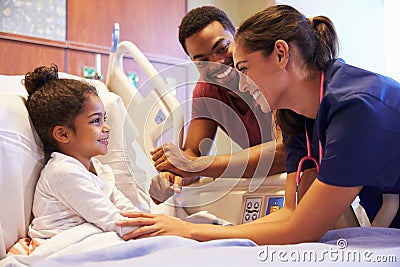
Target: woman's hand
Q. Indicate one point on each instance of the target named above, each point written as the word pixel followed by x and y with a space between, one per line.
pixel 154 225
pixel 169 157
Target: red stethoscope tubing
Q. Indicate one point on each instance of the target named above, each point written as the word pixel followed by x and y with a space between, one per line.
pixel 309 156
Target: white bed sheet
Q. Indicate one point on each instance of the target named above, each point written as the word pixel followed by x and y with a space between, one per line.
pixel 88 246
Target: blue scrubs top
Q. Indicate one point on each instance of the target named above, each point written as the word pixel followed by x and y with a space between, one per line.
pixel 358 123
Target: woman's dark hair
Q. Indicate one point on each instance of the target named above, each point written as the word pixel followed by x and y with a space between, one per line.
pixel 199 18
pixel 53 101
pixel 315 38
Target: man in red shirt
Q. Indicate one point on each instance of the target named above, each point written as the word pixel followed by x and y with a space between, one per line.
pixel 207 36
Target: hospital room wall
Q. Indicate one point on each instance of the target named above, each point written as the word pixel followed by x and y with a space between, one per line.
pixel 360 27
pixel 151 24
pixel 237 10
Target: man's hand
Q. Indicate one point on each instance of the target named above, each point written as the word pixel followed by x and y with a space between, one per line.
pixel 169 157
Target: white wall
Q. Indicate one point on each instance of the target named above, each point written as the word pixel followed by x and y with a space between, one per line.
pixel 392 38
pixel 359 25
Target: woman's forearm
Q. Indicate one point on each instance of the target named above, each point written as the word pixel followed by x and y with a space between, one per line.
pixel 262 233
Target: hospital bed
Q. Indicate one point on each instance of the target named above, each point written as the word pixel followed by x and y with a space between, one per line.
pixel 22 160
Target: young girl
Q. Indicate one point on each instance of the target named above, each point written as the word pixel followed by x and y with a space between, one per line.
pixel 73 187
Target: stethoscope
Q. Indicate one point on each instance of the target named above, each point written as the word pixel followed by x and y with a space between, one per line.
pixel 309 156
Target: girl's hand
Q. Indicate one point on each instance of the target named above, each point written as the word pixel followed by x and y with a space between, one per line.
pixel 163 186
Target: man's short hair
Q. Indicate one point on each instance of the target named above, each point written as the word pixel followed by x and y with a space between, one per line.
pixel 199 18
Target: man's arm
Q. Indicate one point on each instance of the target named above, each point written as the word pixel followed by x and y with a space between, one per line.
pixel 199 138
pixel 257 161
pixel 201 133
pixel 251 162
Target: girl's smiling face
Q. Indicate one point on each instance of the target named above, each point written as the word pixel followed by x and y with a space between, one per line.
pixel 91 133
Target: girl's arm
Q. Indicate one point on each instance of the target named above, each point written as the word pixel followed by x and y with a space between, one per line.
pixel 76 190
pixel 121 202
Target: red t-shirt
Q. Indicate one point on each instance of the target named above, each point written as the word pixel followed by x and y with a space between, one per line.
pixel 249 129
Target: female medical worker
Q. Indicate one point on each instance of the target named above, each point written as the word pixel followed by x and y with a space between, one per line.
pixel 351 117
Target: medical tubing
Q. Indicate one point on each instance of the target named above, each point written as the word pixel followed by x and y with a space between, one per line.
pixel 321 95
pixel 309 156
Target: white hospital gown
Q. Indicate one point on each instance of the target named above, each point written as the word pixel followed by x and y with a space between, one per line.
pixel 67 195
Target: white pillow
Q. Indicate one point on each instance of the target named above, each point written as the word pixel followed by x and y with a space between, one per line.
pixel 21 160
